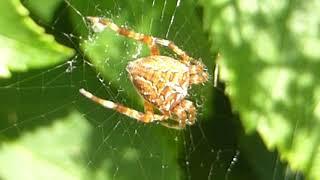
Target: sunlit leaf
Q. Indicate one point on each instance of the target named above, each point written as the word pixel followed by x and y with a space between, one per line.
pixel 54 152
pixel 68 149
pixel 23 44
pixel 270 61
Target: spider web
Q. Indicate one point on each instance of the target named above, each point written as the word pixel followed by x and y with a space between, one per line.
pixel 48 124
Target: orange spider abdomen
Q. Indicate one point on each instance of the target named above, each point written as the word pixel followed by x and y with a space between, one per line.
pixel 161 80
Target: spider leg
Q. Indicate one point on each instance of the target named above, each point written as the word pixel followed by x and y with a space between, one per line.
pixel 100 24
pixel 185 112
pixel 143 117
pixel 167 43
pixel 171 126
pixel 147 106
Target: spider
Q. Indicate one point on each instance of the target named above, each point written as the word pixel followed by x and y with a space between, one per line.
pixel 162 81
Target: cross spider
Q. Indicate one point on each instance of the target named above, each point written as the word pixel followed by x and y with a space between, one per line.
pixel 162 81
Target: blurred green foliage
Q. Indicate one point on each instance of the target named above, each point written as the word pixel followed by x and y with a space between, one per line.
pixel 269 59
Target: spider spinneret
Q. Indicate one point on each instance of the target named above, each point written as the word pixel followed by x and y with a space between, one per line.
pixel 162 81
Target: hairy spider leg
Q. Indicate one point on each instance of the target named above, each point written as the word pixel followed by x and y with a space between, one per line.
pixel 148 108
pixel 185 58
pixel 151 41
pixel 102 23
pixel 143 117
pixel 186 115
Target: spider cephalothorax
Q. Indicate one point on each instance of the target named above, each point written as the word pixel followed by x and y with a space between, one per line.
pixel 162 81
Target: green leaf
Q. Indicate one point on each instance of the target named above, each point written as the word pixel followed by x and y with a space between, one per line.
pixel 45 10
pixel 53 152
pixel 270 62
pixel 23 44
pixel 71 148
